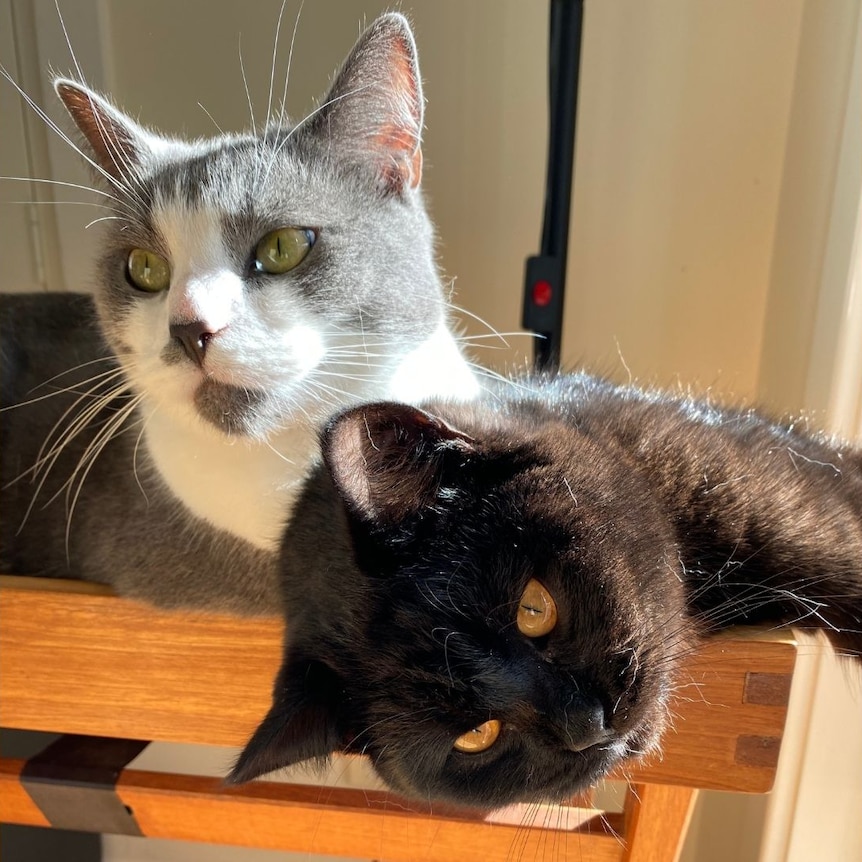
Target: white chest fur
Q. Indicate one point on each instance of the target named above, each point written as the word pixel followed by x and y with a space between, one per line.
pixel 244 487
pixel 250 488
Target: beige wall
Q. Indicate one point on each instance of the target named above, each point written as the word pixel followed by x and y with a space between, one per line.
pixel 808 202
pixel 813 361
pixel 683 125
pixel 687 216
pixel 22 272
pixel 678 176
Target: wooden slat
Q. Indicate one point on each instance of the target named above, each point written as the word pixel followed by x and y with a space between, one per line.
pixel 56 585
pixel 15 805
pixel 91 663
pixel 711 715
pixel 79 662
pixel 339 823
pixel 658 815
pixel 330 821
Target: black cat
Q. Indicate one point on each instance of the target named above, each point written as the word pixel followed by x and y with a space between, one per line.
pixel 507 586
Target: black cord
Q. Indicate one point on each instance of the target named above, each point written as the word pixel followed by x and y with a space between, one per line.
pixel 545 282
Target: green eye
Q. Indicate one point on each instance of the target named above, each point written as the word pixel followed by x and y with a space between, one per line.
pixel 283 249
pixel 148 271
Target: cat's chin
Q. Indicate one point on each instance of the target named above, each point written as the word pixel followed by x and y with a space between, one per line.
pixel 556 780
pixel 233 410
pixel 249 412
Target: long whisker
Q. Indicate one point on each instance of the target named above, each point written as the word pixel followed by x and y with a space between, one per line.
pixel 135 454
pixel 96 447
pixel 105 433
pixel 105 218
pixel 245 84
pixel 221 131
pixel 492 330
pixel 55 392
pixel 120 159
pixel 68 41
pixel 274 59
pixel 501 335
pixel 289 62
pixel 98 398
pixel 303 121
pixel 62 203
pixel 90 189
pixel 47 459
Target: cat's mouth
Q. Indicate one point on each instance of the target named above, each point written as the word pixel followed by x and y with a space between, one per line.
pixel 553 790
pixel 231 409
pixel 550 779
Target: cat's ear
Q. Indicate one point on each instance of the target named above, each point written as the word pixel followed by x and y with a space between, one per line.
pixel 117 144
pixel 388 460
pixel 373 113
pixel 302 724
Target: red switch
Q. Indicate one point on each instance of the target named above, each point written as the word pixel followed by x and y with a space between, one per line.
pixel 543 293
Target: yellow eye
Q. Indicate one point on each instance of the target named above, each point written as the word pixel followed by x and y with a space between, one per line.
pixel 283 249
pixel 537 611
pixel 479 738
pixel 148 271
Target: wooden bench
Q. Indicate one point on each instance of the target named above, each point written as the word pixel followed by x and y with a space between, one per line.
pixel 76 660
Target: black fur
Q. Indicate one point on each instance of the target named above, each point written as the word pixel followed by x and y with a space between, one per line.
pixel 651 519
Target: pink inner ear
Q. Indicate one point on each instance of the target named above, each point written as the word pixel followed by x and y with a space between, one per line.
pixel 402 137
pixel 348 464
pixel 112 145
pixel 416 168
pixel 406 166
pixel 386 458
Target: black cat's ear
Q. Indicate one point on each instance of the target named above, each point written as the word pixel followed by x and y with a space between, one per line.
pixel 388 460
pixel 117 143
pixel 373 113
pixel 302 724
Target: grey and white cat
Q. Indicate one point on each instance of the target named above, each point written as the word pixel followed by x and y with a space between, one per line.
pixel 250 285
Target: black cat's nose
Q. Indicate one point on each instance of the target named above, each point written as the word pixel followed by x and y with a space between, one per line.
pixel 584 725
pixel 194 338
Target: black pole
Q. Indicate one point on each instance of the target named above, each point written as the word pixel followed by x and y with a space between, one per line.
pixel 545 282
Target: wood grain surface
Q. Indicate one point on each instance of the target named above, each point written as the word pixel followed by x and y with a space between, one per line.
pixel 74 659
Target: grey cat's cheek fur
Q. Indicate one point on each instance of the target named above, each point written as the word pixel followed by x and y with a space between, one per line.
pixel 228 425
pixel 125 529
pixel 371 274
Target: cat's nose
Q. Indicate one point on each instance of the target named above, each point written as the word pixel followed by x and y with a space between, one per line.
pixel 193 337
pixel 585 725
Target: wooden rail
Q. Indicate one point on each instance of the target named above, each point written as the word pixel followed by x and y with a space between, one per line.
pixel 75 659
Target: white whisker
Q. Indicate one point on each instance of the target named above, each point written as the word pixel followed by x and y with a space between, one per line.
pixel 302 122
pixel 274 60
pixel 117 184
pixel 221 131
pixel 96 447
pixel 289 62
pixel 104 375
pixel 104 218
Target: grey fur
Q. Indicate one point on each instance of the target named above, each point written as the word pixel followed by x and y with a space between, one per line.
pixel 368 291
pixel 127 530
